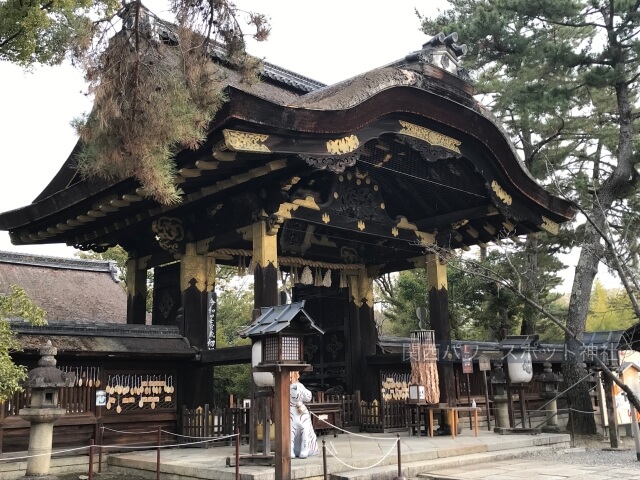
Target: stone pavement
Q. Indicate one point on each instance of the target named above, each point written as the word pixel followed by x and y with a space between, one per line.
pixel 531 469
pixel 489 456
pixel 355 456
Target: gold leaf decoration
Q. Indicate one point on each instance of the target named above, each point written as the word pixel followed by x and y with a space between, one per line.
pixel 501 193
pixel 549 225
pixel 343 145
pixel 245 141
pixel 429 136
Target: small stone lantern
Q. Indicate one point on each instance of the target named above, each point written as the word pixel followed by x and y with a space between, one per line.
pixel 550 382
pixel 500 398
pixel 45 382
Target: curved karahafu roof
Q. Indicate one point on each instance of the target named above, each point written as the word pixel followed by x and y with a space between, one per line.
pixel 368 171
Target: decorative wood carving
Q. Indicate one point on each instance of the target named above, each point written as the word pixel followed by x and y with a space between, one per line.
pixel 431 153
pixel 245 141
pixel 340 146
pixel 549 225
pixel 333 164
pixel 357 196
pixel 429 136
pixel 169 232
pixel 501 193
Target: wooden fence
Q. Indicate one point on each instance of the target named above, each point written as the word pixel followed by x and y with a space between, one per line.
pixel 383 416
pixel 205 423
pixel 350 410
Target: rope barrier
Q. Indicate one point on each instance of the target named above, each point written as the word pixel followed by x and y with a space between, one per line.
pixel 224 437
pixel 576 410
pixel 43 454
pixel 154 447
pixel 124 447
pixel 127 432
pixel 353 467
pixel 347 431
pixel 288 261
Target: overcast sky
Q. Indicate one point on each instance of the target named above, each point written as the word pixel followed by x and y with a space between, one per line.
pixel 328 41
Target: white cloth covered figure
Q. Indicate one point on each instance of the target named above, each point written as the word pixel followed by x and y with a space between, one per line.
pixel 303 438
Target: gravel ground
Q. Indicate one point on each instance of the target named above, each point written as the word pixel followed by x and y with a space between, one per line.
pixel 591 451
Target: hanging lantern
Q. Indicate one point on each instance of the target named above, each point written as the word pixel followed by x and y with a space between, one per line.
pixel 261 379
pixel 519 366
pixel 517 351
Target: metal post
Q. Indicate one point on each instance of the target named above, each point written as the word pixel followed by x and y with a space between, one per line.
pixel 469 399
pixel 399 477
pixel 158 453
pixel 324 460
pixel 635 430
pixel 573 430
pixel 91 443
pixel 237 454
pixel 486 399
pixel 100 441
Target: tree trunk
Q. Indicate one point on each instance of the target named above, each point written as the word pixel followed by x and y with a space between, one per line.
pixel 614 438
pixel 573 368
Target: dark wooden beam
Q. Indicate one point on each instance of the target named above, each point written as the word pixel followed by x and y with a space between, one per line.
pixel 227 355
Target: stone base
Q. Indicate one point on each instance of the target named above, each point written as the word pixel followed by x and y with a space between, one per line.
pixel 38 477
pixel 551 429
pixel 517 431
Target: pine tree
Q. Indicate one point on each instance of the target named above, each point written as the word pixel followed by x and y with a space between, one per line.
pixel 562 76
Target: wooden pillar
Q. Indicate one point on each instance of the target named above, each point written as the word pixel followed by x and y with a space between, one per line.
pixel 362 335
pixel 265 261
pixel 439 317
pixel 282 421
pixel 265 294
pixel 197 278
pixel 136 279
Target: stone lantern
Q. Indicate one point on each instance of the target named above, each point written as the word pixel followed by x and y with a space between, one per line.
pixel 550 382
pixel 500 398
pixel 44 382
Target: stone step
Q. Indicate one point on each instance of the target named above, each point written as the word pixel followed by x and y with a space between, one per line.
pixel 421 469
pixel 414 463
